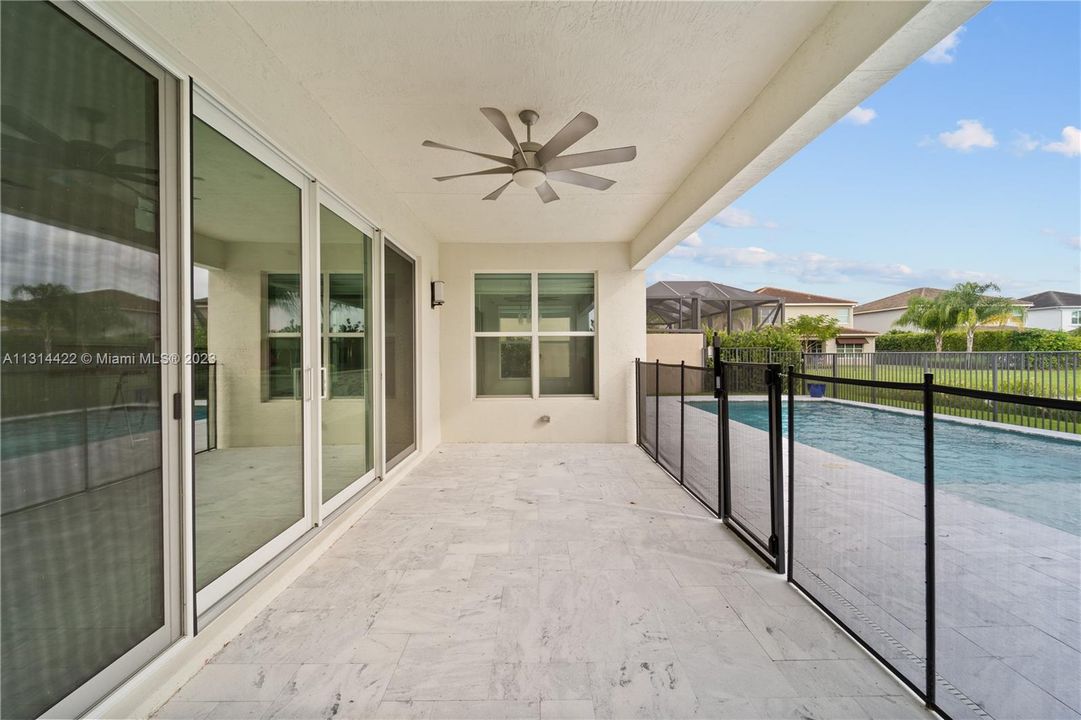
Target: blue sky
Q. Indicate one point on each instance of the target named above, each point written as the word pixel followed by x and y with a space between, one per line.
pixel 967 165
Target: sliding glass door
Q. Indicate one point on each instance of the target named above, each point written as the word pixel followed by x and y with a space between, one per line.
pixel 346 412
pixel 248 328
pixel 399 350
pixel 88 536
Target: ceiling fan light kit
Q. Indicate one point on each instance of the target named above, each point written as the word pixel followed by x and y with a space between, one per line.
pixel 529 177
pixel 532 165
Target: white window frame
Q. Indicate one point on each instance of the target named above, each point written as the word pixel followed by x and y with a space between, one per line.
pixel 327 333
pixel 1075 318
pixel 534 334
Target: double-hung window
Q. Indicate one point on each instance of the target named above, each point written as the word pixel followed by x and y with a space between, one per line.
pixel 283 336
pixel 535 334
pixel 343 331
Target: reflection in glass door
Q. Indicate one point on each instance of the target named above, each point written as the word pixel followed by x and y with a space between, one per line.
pixel 399 378
pixel 247 331
pixel 345 254
pixel 87 584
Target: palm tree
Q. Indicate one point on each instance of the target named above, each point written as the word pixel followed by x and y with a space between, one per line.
pixel 934 315
pixel 47 307
pixel 974 307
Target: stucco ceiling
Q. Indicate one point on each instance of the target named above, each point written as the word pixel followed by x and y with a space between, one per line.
pixel 668 77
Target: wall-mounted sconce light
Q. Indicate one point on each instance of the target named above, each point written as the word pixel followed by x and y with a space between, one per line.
pixel 437 293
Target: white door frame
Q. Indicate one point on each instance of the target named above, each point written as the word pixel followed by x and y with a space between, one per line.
pixel 169 223
pixel 327 198
pixel 390 462
pixel 213 113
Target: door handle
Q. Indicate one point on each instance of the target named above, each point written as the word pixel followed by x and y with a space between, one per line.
pixel 324 390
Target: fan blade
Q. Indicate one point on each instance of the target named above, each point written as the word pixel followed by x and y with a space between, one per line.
pixel 121 167
pixel 497 158
pixel 572 132
pixel 493 171
pixel 17 119
pixel 547 194
pixel 133 178
pixel 130 144
pixel 497 118
pixel 592 158
pixel 494 195
pixel 580 178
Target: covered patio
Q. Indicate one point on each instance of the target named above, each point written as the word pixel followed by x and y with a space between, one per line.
pixel 540 581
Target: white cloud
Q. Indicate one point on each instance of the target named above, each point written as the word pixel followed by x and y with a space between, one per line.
pixel 1070 241
pixel 970 134
pixel 944 51
pixel 813 267
pixel 733 217
pixel 860 115
pixel 1070 145
pixel 1024 143
pixel 693 240
pixel 661 275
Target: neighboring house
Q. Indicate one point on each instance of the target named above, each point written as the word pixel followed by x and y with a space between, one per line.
pixel 796 303
pixel 881 315
pixel 1054 310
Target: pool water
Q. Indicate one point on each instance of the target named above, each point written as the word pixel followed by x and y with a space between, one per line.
pixel 31 435
pixel 1035 476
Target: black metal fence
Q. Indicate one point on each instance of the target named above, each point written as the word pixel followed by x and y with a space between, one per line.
pixel 732 468
pixel 947 547
pixel 205 406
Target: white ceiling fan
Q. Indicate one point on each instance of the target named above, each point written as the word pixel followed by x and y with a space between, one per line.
pixel 532 165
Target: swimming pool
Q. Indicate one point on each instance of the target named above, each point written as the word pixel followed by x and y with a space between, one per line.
pixel 1035 476
pixel 31 435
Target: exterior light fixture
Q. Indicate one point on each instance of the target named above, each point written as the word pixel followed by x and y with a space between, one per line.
pixel 529 177
pixel 437 293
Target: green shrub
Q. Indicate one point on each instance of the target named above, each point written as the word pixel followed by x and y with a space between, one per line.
pixel 771 336
pixel 1034 340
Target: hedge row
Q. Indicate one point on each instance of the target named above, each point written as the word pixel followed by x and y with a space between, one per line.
pixel 984 341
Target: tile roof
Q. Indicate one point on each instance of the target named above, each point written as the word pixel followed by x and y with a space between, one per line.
pixel 796 297
pixel 1053 299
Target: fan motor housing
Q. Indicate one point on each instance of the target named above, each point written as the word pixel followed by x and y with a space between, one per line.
pixel 526 158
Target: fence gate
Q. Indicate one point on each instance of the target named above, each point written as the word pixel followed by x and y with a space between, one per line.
pixel 752 470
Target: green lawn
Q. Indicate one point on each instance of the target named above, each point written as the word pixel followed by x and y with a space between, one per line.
pixel 1065 384
pixel 1037 383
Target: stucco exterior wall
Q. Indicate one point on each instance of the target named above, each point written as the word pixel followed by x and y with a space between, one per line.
pixel 621 301
pixel 794 311
pixel 881 321
pixel 675 348
pixel 1050 318
pixel 226 57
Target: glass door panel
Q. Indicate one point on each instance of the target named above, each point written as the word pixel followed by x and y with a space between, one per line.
pixel 247 328
pixel 84 491
pixel 399 354
pixel 346 349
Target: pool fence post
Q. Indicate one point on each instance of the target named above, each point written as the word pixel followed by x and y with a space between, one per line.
pixel 776 479
pixel 791 467
pixel 929 529
pixel 682 412
pixel 716 357
pixel 657 413
pixel 638 401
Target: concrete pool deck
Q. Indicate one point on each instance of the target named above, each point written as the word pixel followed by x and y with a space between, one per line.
pixel 540 581
pixel 1009 588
